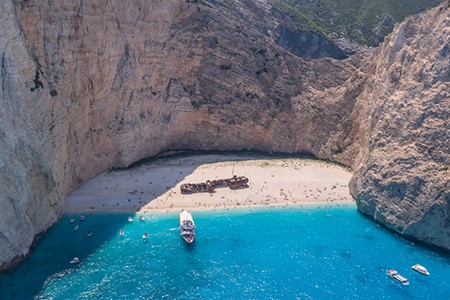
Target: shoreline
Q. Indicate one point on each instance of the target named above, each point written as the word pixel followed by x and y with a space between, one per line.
pixel 155 185
pixel 286 205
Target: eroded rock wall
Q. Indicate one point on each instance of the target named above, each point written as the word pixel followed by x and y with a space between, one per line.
pixel 402 180
pixel 30 189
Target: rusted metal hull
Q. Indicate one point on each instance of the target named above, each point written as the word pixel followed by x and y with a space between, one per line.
pixel 209 186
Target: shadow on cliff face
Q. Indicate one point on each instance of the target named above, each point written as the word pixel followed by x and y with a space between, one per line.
pixel 308 45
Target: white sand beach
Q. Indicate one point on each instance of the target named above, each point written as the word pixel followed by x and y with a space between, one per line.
pixel 155 185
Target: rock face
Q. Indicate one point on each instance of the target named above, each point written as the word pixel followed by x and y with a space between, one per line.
pixel 402 180
pixel 92 85
pixel 29 185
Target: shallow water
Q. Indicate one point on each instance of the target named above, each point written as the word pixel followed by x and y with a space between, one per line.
pixel 280 253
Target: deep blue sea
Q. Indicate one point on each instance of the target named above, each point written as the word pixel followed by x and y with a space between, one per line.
pixel 267 253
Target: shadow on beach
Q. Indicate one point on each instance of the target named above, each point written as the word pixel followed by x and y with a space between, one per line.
pixel 144 182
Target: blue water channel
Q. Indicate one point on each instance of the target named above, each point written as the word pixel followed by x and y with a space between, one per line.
pixel 265 253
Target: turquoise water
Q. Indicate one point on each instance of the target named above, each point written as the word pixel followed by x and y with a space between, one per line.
pixel 290 253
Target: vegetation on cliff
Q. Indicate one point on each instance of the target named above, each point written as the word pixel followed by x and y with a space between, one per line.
pixel 366 22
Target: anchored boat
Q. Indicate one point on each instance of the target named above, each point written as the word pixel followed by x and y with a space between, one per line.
pixel 394 275
pixel 187 226
pixel 75 260
pixel 420 269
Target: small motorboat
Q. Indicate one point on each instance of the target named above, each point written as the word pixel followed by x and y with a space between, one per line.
pixel 75 228
pixel 89 233
pixel 75 260
pixel 141 218
pixel 72 220
pixel 420 269
pixel 145 235
pixel 82 218
pixel 130 219
pixel 121 232
pixel 394 275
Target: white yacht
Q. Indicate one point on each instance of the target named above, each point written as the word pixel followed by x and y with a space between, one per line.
pixel 394 274
pixel 420 269
pixel 187 226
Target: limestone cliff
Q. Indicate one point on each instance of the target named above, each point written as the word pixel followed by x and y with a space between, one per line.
pixel 30 189
pixel 403 177
pixel 92 85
